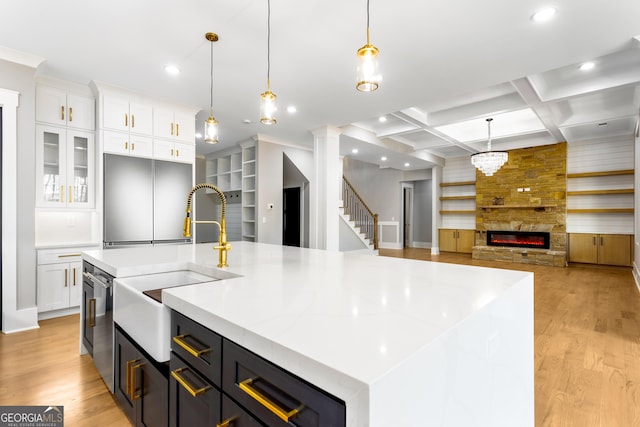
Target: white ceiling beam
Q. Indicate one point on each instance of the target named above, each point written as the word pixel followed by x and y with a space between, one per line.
pixel 412 116
pixel 529 95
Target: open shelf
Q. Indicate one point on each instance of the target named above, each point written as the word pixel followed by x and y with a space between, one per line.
pixel 445 198
pixel 603 210
pixel 457 184
pixel 464 212
pixel 603 173
pixel 600 192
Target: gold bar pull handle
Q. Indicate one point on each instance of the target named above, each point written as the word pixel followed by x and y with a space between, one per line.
pixel 171 128
pixel 126 145
pixel 74 276
pixel 126 120
pixel 70 114
pixel 71 194
pixel 62 193
pixel 177 153
pixel 68 255
pixel 62 112
pixel 133 120
pixel 177 129
pixel 134 368
pixel 66 277
pixel 284 415
pixel 594 240
pixel 133 146
pixel 172 152
pixel 227 422
pixel 92 313
pixel 193 391
pixel 192 351
pixel 128 384
pixel 601 241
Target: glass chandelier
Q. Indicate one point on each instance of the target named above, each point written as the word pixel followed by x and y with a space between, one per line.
pixel 211 124
pixel 488 162
pixel 368 78
pixel 268 106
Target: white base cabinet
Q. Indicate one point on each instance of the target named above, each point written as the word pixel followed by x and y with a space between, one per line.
pixel 59 278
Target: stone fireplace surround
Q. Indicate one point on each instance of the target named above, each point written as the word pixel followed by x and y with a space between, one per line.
pixel 527 194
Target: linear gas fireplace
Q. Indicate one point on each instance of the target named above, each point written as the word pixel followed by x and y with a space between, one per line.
pixel 519 239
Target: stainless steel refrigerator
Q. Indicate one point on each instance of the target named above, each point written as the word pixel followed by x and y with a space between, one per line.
pixel 144 200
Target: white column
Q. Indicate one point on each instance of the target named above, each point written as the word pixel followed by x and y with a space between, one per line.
pixel 325 189
pixel 13 319
pixel 436 191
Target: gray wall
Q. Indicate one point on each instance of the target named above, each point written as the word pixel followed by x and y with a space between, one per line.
pixel 206 207
pixel 422 201
pixel 21 79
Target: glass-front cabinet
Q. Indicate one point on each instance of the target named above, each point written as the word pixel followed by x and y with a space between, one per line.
pixel 65 161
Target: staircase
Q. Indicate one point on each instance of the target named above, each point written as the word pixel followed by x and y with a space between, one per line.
pixel 357 215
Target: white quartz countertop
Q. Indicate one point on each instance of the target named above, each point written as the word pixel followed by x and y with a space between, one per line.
pixel 339 320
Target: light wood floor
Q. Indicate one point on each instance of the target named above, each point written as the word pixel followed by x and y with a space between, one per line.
pixel 44 367
pixel 587 353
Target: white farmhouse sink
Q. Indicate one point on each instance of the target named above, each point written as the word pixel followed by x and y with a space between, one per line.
pixel 146 320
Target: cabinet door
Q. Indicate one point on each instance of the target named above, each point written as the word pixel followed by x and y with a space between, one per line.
pixel 81 112
pixel 185 127
pixel 80 169
pixel 88 307
pixel 115 142
pixel 185 153
pixel 614 249
pixel 163 150
pixel 115 112
pixel 75 283
pixel 141 146
pixel 235 415
pixel 126 357
pixel 53 287
pixel 186 410
pixel 583 248
pixel 51 160
pixel 447 239
pixel 51 105
pixel 163 123
pixel 141 117
pixel 466 240
pixel 152 407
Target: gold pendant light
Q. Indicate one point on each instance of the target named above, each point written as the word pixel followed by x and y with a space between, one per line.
pixel 268 106
pixel 368 78
pixel 211 124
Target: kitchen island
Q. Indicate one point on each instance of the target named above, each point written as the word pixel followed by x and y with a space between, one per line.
pixel 400 342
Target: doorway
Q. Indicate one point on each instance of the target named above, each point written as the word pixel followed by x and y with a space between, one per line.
pixel 291 216
pixel 407 215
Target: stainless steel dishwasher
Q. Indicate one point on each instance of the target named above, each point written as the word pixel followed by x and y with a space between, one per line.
pixel 97 329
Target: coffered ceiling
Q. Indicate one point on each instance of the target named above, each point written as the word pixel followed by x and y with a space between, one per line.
pixel 447 66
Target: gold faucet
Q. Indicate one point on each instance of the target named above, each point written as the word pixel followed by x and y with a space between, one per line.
pixel 223 245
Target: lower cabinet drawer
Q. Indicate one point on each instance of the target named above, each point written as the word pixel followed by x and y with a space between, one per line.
pixel 193 401
pixel 274 396
pixel 198 346
pixel 235 416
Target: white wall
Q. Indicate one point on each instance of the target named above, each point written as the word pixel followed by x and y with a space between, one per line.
pixel 595 156
pixel 270 182
pixel 21 79
pixel 422 221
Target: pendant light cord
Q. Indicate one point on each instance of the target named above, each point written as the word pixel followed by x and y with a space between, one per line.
pixel 489 132
pixel 269 45
pixel 211 98
pixel 368 38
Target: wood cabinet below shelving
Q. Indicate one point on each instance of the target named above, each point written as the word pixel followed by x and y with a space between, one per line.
pixel 607 249
pixel 452 240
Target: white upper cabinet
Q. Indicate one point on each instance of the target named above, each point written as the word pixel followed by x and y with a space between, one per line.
pixel 65 171
pixel 174 123
pixel 127 144
pixel 59 107
pixel 127 115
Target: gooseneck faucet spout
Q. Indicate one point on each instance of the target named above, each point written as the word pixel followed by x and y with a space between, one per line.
pixel 223 246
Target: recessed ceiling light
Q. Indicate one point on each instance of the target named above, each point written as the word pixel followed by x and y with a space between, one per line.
pixel 291 109
pixel 383 158
pixel 587 66
pixel 354 151
pixel 406 165
pixel 382 119
pixel 544 15
pixel 198 135
pixel 246 121
pixel 172 69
